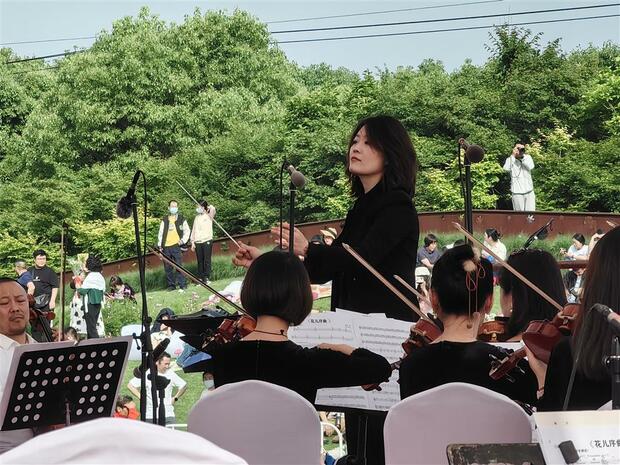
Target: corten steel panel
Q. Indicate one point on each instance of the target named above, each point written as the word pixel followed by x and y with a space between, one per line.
pixel 508 222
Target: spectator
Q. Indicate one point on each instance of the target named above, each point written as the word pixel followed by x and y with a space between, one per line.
pixel 163 369
pixel 573 280
pixel 520 166
pixel 126 408
pixel 202 238
pixel 71 334
pixel 160 331
pixel 24 277
pixel 92 292
pixel 428 255
pixel 491 240
pixel 577 251
pixel 209 382
pixel 329 235
pixel 173 233
pixel 45 287
pixel 120 290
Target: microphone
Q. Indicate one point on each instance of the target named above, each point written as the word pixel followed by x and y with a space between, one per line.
pixel 157 351
pixel 297 179
pixel 473 152
pixel 612 317
pixel 541 234
pixel 123 206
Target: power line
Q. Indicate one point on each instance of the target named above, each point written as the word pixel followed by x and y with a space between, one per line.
pixel 433 7
pixel 437 20
pixel 23 60
pixel 368 13
pixel 47 40
pixel 324 39
pixel 34 70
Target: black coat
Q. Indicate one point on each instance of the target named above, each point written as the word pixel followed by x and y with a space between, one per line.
pixel 383 228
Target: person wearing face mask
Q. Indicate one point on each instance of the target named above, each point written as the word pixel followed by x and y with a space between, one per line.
pixel 202 238
pixel 209 382
pixel 173 233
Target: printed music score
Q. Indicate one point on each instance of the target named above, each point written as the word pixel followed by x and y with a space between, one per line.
pixel 376 333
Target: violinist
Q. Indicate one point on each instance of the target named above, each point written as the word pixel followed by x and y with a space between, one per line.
pixel 276 291
pixel 519 301
pixel 462 283
pixel 14 316
pixel 592 386
pixel 382 225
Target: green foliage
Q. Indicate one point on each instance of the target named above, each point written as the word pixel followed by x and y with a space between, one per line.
pixel 213 103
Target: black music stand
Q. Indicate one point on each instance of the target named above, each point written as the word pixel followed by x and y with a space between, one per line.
pixel 63 382
pixel 509 454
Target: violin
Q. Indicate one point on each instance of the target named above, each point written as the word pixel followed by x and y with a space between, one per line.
pixel 494 330
pixel 231 329
pixel 38 319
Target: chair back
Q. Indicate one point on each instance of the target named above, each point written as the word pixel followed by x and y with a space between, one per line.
pixel 261 422
pixel 419 429
pixel 120 441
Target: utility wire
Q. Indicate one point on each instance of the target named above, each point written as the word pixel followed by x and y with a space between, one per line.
pixel 368 13
pixel 33 70
pixel 323 39
pixel 438 20
pixel 23 60
pixel 433 7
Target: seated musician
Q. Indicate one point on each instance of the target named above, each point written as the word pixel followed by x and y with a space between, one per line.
pixel 276 291
pixel 462 284
pixel 519 301
pixel 14 316
pixel 592 385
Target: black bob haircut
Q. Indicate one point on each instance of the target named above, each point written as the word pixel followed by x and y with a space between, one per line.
pixel 579 237
pixel 277 284
pixel 449 281
pixel 93 263
pixel 493 234
pixel 38 252
pixel 387 135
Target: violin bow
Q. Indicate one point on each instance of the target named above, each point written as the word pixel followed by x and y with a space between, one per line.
pixel 212 219
pixel 386 283
pixel 526 281
pixel 611 223
pixel 196 279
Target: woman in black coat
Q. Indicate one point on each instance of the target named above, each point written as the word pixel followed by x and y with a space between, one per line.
pixel 382 226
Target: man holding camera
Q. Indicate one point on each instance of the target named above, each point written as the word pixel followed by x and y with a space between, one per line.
pixel 520 166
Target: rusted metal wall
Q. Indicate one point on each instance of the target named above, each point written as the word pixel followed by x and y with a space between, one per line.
pixel 508 222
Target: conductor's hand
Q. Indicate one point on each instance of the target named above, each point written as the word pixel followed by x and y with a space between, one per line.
pixel 300 241
pixel 245 255
pixel 344 348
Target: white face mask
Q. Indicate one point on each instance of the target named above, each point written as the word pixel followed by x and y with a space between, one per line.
pixel 200 210
pixel 209 384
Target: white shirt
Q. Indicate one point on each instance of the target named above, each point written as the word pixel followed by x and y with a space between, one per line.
pixel 583 252
pixel 10 439
pixel 498 248
pixel 520 174
pixel 202 229
pixel 175 380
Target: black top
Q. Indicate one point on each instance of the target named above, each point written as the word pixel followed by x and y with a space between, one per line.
pixel 462 362
pixel 297 368
pixel 383 228
pixel 586 394
pixel 44 280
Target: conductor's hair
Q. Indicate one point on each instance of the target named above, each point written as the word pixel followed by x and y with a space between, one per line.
pixel 277 284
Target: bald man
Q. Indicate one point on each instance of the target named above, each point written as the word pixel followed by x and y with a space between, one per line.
pixel 14 316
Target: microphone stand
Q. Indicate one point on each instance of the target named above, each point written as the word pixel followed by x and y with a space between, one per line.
pixel 292 189
pixel 63 262
pixel 469 215
pixel 147 346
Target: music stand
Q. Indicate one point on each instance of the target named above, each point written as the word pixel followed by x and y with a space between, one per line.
pixel 63 382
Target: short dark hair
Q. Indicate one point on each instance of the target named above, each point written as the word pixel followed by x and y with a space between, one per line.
pixel 389 136
pixel 163 355
pixel 170 202
pixel 203 203
pixel 115 281
pixel 71 331
pixel 429 239
pixel 449 281
pixel 277 284
pixel 493 234
pixel 38 252
pixel 579 237
pixel 600 287
pixel 93 263
pixel 541 269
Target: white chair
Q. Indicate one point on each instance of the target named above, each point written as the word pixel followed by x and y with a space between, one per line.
pixel 261 422
pixel 606 406
pixel 340 451
pixel 118 441
pixel 419 429
pixel 177 426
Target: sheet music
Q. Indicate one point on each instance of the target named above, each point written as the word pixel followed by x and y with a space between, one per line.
pixel 380 335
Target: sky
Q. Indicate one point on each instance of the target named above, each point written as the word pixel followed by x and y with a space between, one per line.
pixel 27 21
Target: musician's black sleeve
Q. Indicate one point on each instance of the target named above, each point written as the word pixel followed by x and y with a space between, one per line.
pixel 335 369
